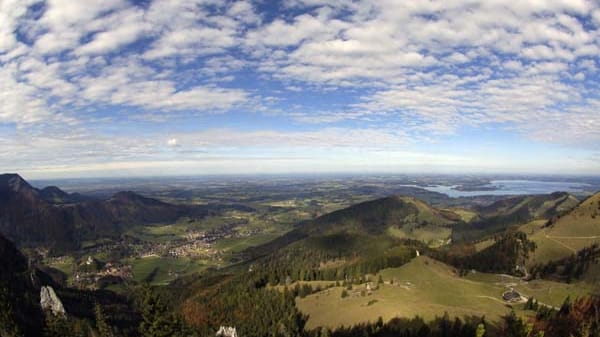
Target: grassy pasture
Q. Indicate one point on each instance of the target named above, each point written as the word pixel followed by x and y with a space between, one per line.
pixel 429 288
pixel 561 240
pixel 465 214
pixel 162 270
pixel 235 245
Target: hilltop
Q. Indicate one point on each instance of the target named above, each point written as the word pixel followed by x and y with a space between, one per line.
pixel 508 212
pixel 582 221
pixel 55 195
pixel 386 219
pixel 567 233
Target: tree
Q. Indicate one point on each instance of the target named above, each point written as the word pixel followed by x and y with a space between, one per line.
pixel 529 304
pixel 515 327
pixel 56 326
pixel 157 319
pixel 104 329
pixel 8 326
pixel 565 308
pixel 480 332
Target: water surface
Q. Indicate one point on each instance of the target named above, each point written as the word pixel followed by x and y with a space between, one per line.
pixel 513 187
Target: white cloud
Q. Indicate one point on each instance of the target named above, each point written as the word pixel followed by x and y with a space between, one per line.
pixel 116 30
pixel 11 11
pixel 76 59
pixel 426 69
pixel 196 41
pixel 388 42
pixel 195 32
pixel 79 151
pixel 172 142
pixel 493 62
pixel 458 58
pixel 65 22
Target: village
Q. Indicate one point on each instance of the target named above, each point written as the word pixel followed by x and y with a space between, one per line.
pixel 111 262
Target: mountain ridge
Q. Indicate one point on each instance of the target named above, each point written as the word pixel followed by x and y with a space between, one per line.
pixel 518 210
pixel 28 219
pixel 379 220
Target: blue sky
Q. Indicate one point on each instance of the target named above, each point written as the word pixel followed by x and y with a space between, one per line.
pixel 122 88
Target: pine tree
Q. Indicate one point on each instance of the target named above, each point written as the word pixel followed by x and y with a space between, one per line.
pixel 480 332
pixel 157 318
pixel 57 326
pixel 529 304
pixel 104 329
pixel 565 308
pixel 8 326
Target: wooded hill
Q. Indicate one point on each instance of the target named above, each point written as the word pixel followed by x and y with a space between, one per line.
pixel 54 219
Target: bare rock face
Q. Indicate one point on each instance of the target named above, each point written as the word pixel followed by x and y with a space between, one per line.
pixel 50 301
pixel 227 331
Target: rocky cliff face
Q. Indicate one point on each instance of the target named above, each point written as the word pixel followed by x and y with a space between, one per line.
pixel 226 331
pixel 49 301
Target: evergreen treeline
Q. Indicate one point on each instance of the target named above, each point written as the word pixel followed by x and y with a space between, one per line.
pixel 245 301
pixel 415 327
pixel 569 268
pixel 580 318
pixel 303 263
pixel 149 316
pixel 509 251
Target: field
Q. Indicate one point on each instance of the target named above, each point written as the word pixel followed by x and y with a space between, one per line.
pixel 465 214
pixel 481 245
pixel 432 235
pixel 428 288
pixel 547 292
pixel 236 245
pixel 162 270
pixel 563 239
pixel 66 264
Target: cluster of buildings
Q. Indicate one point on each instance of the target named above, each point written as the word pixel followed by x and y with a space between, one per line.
pixel 110 272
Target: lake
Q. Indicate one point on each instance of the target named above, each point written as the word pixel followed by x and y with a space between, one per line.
pixel 514 187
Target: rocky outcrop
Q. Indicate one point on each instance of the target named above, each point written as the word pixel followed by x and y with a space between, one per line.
pixel 227 331
pixel 50 301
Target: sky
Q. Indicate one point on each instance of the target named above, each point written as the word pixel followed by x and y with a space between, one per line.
pixel 94 88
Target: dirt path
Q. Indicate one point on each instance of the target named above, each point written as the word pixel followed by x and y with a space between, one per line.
pixel 524 300
pixel 560 243
pixel 491 298
pixel 542 304
pixel 573 237
pixel 555 237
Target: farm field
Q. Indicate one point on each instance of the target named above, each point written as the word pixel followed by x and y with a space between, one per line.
pixel 162 270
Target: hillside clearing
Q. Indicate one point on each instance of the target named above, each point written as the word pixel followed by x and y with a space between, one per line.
pixel 429 288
